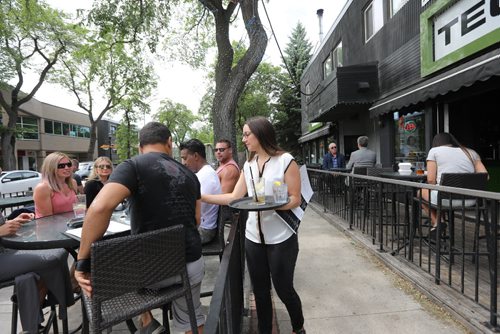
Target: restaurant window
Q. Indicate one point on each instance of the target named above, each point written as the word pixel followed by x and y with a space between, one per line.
pixel 28 128
pixel 410 136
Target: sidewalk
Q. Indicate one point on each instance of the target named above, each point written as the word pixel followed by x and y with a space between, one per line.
pixel 345 290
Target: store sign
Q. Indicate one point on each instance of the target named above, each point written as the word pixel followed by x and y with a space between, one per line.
pixel 410 126
pixel 452 30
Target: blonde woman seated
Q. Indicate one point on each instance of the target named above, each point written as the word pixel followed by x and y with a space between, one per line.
pixel 57 191
pixel 103 167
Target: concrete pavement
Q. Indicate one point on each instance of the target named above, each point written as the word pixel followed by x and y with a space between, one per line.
pixel 343 289
pixel 346 290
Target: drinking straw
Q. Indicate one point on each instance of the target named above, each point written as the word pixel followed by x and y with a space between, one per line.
pixel 253 185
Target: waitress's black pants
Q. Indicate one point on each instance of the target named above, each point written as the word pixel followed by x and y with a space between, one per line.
pixel 276 262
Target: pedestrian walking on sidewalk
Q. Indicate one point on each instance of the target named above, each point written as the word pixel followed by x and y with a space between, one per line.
pixel 271 245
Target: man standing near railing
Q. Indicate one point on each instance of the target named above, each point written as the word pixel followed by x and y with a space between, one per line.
pixel 162 193
pixel 363 157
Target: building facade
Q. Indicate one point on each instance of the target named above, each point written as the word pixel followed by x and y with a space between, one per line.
pixel 44 128
pixel 400 71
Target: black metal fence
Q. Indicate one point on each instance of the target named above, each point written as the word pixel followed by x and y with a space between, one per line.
pixel 462 255
pixel 227 304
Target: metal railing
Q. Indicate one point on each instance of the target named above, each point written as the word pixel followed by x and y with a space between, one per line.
pixel 389 212
pixel 227 304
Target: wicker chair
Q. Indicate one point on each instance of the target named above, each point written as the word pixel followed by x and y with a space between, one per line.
pixel 123 269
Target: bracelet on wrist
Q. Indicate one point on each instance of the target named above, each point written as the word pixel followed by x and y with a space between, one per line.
pixel 83 265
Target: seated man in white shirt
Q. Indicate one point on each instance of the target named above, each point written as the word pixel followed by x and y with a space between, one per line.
pixel 193 156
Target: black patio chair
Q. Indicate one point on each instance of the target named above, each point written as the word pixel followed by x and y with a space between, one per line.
pixel 217 245
pixel 124 269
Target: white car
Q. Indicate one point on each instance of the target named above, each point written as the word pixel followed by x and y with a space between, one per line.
pixel 15 181
pixel 84 169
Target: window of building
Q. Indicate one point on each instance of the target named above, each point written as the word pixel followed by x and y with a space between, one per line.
pixel 396 5
pixel 58 128
pixel 65 129
pixel 112 129
pixel 49 126
pixel 327 66
pixel 410 136
pixel 373 18
pixel 368 22
pixel 338 60
pixel 28 127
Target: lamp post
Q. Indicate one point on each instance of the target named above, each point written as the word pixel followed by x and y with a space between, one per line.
pixel 110 149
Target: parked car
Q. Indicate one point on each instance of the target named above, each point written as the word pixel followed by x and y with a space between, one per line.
pixel 15 181
pixel 84 169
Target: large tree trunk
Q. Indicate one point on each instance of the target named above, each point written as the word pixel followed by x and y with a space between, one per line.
pixel 8 140
pixel 230 82
pixel 93 139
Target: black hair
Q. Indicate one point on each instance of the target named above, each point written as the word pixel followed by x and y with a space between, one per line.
pixel 154 133
pixel 194 146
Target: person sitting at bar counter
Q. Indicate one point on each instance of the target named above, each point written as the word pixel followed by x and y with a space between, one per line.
pixel 332 158
pixel 447 155
pixel 363 157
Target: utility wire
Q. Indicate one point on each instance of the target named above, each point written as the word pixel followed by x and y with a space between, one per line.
pixel 295 83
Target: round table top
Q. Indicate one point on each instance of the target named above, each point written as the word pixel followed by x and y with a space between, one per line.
pixel 43 233
pixel 47 233
pixel 249 204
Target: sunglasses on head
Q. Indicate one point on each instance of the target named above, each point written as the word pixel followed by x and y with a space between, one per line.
pixel 63 165
pixel 104 167
pixel 221 149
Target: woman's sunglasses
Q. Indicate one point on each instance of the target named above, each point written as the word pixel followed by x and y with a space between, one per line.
pixel 63 165
pixel 104 167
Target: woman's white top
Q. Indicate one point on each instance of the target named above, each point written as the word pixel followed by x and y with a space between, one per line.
pixel 275 229
pixel 452 160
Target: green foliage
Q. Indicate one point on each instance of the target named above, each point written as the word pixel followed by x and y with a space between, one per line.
pixel 287 120
pixel 127 140
pixel 33 37
pixel 257 99
pixel 102 68
pixel 178 118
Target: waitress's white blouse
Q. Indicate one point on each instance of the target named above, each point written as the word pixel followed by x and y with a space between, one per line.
pixel 275 229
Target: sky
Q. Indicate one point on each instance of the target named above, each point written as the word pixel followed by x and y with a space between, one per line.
pixel 189 85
